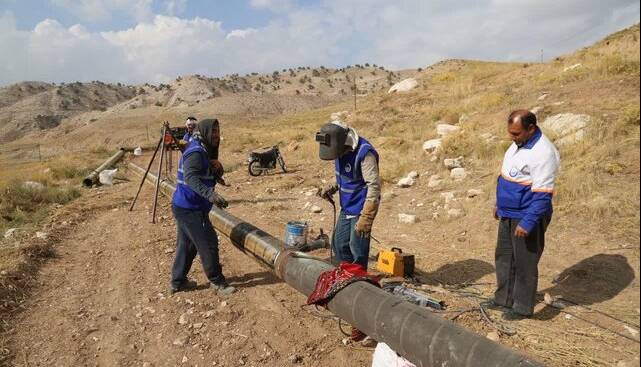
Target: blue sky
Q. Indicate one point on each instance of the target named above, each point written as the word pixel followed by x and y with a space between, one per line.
pixel 135 41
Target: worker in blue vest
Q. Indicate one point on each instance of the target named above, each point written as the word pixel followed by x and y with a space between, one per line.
pixel 193 199
pixel 191 123
pixel 359 185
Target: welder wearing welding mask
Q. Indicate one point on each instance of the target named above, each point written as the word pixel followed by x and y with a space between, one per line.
pixel 359 185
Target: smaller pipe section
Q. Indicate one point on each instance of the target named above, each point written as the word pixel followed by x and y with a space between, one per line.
pixel 92 178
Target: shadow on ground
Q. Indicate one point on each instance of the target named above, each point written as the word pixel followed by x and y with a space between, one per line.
pixel 592 280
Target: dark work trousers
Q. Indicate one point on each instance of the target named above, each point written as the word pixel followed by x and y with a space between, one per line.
pixel 195 235
pixel 349 246
pixel 517 270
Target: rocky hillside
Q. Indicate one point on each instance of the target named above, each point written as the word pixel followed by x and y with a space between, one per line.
pixel 29 106
pixel 33 106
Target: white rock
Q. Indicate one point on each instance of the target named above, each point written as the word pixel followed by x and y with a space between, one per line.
pixel 405 182
pixel 138 151
pixel 472 193
pixel 455 213
pixel 404 86
pixel 42 235
pixel 451 163
pixel 432 145
pixel 316 209
pixel 183 319
pixel 32 185
pixel 181 341
pixel 567 126
pixel 444 130
pixel 448 196
pixel 9 232
pixel 572 67
pixel 435 181
pixel 458 173
pixel 434 158
pixel 543 96
pixel 413 175
pixel 407 218
pixel 493 336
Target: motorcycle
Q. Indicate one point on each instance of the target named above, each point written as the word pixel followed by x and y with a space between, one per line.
pixel 264 160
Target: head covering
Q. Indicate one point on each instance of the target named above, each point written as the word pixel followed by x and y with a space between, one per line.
pixel 191 121
pixel 204 131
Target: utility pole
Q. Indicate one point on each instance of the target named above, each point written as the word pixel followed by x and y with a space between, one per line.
pixel 354 87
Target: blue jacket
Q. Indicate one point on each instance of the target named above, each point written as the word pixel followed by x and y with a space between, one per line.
pixel 185 197
pixel 349 177
pixel 525 187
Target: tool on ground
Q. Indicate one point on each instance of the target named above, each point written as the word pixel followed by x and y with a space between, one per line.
pixel 265 159
pixel 415 297
pixel 395 263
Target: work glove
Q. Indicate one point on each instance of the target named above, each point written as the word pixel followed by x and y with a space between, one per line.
pixel 218 200
pixel 364 224
pixel 329 191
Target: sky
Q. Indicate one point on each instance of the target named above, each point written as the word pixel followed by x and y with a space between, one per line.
pixel 139 41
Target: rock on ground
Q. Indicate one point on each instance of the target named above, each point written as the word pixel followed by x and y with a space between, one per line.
pixel 567 126
pixel 432 146
pixel 458 173
pixel 435 181
pixel 451 163
pixel 472 193
pixel 405 182
pixel 404 86
pixel 32 185
pixel 407 218
pixel 455 213
pixel 444 130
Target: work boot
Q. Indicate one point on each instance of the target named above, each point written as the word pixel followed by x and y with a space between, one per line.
pixel 512 315
pixel 186 285
pixel 223 288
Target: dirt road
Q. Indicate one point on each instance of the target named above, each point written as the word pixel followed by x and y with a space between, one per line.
pixel 103 301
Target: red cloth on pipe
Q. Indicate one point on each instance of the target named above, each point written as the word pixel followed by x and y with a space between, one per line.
pixel 331 282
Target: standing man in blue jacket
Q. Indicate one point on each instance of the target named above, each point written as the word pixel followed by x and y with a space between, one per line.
pixel 524 210
pixel 358 182
pixel 191 203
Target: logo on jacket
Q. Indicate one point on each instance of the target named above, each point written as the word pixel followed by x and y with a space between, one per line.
pixel 514 172
pixel 348 168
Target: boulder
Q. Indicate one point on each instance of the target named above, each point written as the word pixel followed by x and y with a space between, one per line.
pixel 444 130
pixel 451 163
pixel 414 175
pixel 404 86
pixel 407 218
pixel 432 146
pixel 458 174
pixel 405 182
pixel 568 127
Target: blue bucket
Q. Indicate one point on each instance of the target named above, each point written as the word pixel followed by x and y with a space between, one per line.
pixel 296 234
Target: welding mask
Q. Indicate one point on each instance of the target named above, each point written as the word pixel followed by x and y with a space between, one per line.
pixel 331 139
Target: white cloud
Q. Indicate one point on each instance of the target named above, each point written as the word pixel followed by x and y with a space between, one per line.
pixel 100 10
pixel 273 5
pixel 175 7
pixel 403 34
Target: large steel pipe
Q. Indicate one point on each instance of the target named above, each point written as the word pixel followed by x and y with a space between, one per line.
pixel 422 337
pixel 92 178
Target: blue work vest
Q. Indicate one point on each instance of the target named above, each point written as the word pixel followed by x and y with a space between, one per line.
pixel 184 196
pixel 188 138
pixel 349 177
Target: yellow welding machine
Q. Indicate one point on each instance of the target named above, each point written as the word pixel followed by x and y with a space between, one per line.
pixel 395 263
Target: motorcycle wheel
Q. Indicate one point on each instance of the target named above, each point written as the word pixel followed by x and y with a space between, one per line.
pixel 254 168
pixel 281 162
